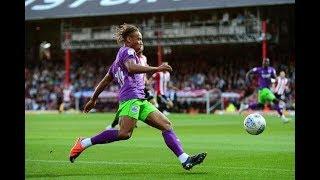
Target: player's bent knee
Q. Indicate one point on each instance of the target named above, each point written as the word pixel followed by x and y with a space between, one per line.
pixel 168 126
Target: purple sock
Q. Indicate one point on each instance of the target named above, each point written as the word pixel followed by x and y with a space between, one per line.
pixel 279 110
pixel 253 106
pixel 106 136
pixel 172 142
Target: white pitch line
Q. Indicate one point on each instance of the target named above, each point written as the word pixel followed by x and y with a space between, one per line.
pixel 143 163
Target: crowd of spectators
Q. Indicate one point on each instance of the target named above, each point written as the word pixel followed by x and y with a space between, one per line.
pixel 44 81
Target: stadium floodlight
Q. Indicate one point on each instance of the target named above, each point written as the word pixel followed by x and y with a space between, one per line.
pixel 45 45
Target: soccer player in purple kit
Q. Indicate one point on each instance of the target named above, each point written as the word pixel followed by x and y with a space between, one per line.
pixel 265 95
pixel 149 95
pixel 128 72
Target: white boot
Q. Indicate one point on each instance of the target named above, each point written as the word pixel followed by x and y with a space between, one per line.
pixel 284 119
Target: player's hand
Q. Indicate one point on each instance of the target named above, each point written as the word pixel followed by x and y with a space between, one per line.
pixel 165 67
pixel 90 104
pixel 248 80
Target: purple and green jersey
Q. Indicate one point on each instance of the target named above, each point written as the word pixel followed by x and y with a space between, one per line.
pixel 131 85
pixel 264 74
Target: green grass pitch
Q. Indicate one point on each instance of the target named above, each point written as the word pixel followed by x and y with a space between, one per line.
pixel 232 152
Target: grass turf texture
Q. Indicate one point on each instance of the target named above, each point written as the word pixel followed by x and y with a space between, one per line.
pixel 232 152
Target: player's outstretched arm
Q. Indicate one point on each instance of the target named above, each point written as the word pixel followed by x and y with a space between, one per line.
pixel 248 73
pixel 274 73
pixel 135 68
pixel 101 86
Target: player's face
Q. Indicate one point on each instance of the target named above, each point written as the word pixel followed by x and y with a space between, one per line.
pixel 282 74
pixel 141 49
pixel 135 41
pixel 266 63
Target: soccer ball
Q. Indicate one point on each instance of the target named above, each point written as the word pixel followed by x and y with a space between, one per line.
pixel 254 124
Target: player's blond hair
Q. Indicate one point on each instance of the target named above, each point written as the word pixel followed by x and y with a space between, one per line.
pixel 123 31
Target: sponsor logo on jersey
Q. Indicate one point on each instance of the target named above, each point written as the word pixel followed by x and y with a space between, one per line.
pixel 134 109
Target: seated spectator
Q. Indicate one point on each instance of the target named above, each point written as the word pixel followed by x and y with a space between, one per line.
pixel 225 19
pixel 240 19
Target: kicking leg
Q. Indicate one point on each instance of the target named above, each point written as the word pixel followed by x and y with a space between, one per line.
pixel 255 106
pixel 154 102
pixel 252 106
pixel 159 121
pixel 279 110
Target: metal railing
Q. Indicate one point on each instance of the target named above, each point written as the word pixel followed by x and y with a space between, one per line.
pixel 175 33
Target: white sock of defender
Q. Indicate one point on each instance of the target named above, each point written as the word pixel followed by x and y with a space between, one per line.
pixel 86 142
pixel 183 157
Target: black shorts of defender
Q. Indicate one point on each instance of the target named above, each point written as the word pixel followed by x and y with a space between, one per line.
pixel 162 99
pixel 279 96
pixel 148 94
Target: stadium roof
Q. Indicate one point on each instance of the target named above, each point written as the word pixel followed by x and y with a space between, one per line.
pixel 52 9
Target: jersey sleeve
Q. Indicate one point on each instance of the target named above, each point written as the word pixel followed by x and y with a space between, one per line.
pixel 287 82
pixel 255 70
pixel 129 54
pixel 273 73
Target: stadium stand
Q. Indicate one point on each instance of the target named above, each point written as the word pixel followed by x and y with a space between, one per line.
pixel 221 35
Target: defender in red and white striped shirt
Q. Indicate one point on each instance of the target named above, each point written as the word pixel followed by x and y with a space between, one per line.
pixel 161 84
pixel 281 85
